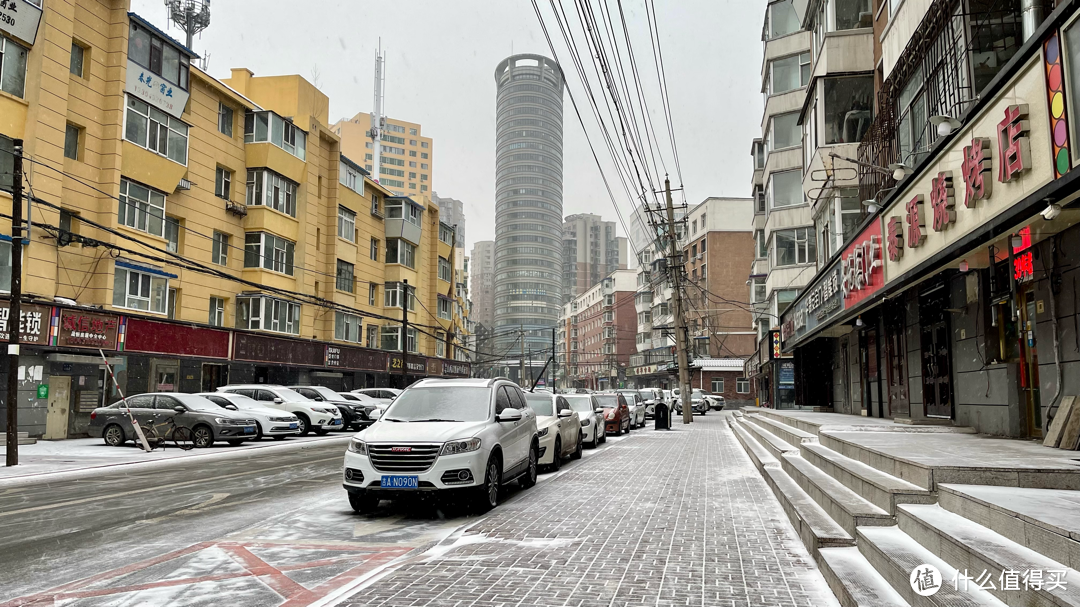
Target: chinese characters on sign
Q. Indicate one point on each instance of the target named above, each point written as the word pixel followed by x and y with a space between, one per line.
pixel 1014 158
pixel 859 265
pixel 20 19
pixel 333 356
pixel 149 87
pixel 1023 258
pixel 33 323
pixel 88 330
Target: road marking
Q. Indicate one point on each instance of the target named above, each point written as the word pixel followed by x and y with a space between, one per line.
pixel 86 500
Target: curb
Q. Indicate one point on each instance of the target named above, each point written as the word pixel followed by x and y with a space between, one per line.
pixel 91 471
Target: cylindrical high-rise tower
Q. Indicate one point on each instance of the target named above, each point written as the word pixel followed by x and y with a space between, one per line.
pixel 528 202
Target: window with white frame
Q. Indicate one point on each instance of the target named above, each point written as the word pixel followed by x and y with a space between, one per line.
pixel 267 188
pixel 400 251
pixel 158 56
pixel 344 281
pixel 137 290
pixel 351 178
pixel 223 183
pixel 781 20
pixel 718 385
pixel 373 293
pixel 742 385
pixel 347 327
pixel 446 234
pixel 374 249
pixel 141 208
pixel 259 312
pixel 394 294
pixel 172 234
pixel 794 247
pixel 758 289
pixel 445 271
pixel 219 250
pixel 784 131
pixel 440 344
pixel 346 224
pixel 226 119
pixel 391 338
pixel 784 299
pixel 372 337
pixel 268 251
pixel 376 200
pixel 399 209
pixel 784 189
pixel 217 312
pixel 153 129
pixel 788 73
pixel 848 108
pixel 445 308
pixel 260 127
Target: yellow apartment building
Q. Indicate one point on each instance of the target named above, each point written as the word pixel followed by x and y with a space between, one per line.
pixel 199 231
pixel 406 154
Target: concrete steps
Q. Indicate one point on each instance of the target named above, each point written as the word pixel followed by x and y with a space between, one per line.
pixel 24 438
pixel 894 555
pixel 1045 520
pixel 842 504
pixel 883 490
pixel 976 548
pixel 773 443
pixel 854 580
pixel 790 435
pixel 912 473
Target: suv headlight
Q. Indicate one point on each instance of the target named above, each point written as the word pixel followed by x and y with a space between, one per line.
pixel 584 423
pixel 464 445
pixel 358 446
pixel 325 410
pixel 543 432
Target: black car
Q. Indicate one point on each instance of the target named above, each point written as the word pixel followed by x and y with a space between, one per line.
pixel 355 415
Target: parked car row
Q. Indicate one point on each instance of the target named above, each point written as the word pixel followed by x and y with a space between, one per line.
pixel 241 412
pixel 473 437
pixel 648 398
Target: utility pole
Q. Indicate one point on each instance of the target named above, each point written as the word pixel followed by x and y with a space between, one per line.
pixel 554 361
pixel 674 271
pixel 521 358
pixel 14 312
pixel 405 337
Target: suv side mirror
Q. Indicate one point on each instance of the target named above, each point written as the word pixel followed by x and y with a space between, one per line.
pixel 179 409
pixel 509 415
pixel 231 407
pixel 565 413
pixel 278 401
pixel 598 411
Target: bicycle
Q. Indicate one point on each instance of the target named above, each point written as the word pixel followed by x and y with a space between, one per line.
pixel 181 437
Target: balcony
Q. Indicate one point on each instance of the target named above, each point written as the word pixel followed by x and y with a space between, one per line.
pixel 952 56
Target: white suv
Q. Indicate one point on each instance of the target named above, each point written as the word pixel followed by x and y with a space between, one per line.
pixel 473 435
pixel 313 416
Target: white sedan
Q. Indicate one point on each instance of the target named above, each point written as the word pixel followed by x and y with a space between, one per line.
pixel 270 422
pixel 558 426
pixel 382 396
pixel 593 428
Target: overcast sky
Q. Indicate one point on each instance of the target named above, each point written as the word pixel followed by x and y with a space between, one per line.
pixel 441 57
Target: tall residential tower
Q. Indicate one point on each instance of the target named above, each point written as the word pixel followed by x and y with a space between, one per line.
pixel 528 199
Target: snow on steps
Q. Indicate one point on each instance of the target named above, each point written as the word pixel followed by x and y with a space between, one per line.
pixel 975 548
pixel 773 443
pixel 854 580
pixel 894 555
pixel 1045 520
pixel 811 521
pixel 793 436
pixel 843 505
pixel 883 490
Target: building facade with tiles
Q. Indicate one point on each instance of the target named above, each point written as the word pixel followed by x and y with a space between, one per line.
pixel 199 231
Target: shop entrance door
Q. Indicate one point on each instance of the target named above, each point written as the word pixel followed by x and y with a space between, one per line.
pixel 214 376
pixel 1029 365
pixel 896 363
pixel 871 391
pixel 937 372
pixel 56 416
pixel 164 375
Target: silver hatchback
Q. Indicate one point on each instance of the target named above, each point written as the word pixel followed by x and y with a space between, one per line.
pixel 207 421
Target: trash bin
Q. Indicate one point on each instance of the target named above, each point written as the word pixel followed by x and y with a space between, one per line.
pixel 661 417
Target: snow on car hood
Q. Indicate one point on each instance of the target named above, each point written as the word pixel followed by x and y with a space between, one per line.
pixel 384 431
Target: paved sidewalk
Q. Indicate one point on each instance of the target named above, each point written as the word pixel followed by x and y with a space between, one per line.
pixel 78 455
pixel 659 519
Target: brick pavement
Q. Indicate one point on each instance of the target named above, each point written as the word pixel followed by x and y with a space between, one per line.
pixel 656 519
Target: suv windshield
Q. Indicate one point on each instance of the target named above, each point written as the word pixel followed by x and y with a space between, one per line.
pixel 441 404
pixel 541 403
pixel 580 403
pixel 646 394
pixel 608 401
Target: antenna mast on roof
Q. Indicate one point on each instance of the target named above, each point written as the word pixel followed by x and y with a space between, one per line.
pixel 192 16
pixel 378 121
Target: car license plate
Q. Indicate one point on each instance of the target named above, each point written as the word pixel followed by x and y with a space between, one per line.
pixel 249 429
pixel 335 422
pixel 400 482
pixel 294 426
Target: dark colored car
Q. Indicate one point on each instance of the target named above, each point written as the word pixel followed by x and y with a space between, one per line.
pixel 356 415
pixel 616 412
pixel 207 421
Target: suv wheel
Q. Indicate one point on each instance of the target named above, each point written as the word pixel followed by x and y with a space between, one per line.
pixel 363 502
pixel 304 424
pixel 487 496
pixel 529 478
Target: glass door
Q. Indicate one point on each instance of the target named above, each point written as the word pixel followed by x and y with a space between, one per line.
pixel 1029 364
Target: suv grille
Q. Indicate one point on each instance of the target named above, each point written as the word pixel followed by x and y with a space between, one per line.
pixel 403 458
